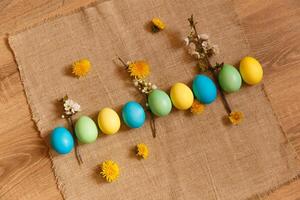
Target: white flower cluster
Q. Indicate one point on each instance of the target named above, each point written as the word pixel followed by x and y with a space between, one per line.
pixel 199 46
pixel 144 86
pixel 70 108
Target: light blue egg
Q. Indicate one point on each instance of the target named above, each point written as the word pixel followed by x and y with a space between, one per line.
pixel 61 140
pixel 133 114
pixel 204 89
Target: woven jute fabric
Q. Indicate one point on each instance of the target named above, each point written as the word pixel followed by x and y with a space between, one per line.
pixel 194 156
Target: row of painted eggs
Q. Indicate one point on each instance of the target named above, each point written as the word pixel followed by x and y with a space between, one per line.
pixel 160 104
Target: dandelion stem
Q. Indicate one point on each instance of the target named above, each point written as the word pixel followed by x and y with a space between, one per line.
pixel 77 152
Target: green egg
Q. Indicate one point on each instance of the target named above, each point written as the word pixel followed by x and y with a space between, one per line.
pixel 159 103
pixel 229 78
pixel 86 130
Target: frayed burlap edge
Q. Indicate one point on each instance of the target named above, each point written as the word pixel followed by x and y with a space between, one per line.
pixel 263 195
pixel 292 149
pixel 32 109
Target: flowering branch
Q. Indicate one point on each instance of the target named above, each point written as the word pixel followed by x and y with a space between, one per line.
pixel 201 48
pixel 139 70
pixel 70 109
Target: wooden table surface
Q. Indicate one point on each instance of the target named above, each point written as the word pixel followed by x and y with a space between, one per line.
pixel 273 31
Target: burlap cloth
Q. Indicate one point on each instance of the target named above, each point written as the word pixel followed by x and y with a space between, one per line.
pixel 193 157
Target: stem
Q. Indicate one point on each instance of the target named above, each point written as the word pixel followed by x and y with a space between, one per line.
pixel 192 23
pixel 123 62
pixel 152 117
pixel 224 100
pixel 77 153
pixel 212 70
pixel 215 76
pixel 152 124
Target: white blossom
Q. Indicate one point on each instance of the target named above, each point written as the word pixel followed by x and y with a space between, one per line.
pixel 215 49
pixel 191 48
pixel 186 41
pixel 205 45
pixel 203 36
pixel 196 54
pixel 135 82
pixel 71 107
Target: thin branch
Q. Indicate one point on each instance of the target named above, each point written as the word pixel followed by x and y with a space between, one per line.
pixel 122 61
pixel 153 124
pixel 77 152
pixel 140 85
pixel 210 67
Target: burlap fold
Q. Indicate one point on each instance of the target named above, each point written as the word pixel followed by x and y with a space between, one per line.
pixel 193 156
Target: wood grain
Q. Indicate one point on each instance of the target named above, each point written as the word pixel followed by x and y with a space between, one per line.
pixel 273 31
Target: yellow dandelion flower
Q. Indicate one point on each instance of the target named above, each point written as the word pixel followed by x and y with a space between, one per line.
pixel 236 117
pixel 197 107
pixel 139 69
pixel 81 67
pixel 142 150
pixel 157 24
pixel 110 170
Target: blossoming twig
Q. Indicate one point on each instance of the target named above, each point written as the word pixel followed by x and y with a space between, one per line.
pixel 200 47
pixel 139 70
pixel 70 109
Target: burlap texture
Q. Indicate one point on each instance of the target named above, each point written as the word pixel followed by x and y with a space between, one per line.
pixel 193 157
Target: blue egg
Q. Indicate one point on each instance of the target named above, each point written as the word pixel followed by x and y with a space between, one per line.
pixel 204 89
pixel 133 114
pixel 61 140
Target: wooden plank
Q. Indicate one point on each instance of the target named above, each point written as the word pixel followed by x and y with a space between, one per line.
pixel 273 32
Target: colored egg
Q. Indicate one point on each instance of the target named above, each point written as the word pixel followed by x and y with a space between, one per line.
pixel 229 78
pixel 61 140
pixel 182 96
pixel 133 114
pixel 251 70
pixel 204 89
pixel 159 103
pixel 108 121
pixel 86 130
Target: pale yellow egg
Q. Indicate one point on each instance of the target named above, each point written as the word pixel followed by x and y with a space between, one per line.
pixel 108 121
pixel 182 96
pixel 251 70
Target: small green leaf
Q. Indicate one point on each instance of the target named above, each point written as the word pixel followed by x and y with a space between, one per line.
pixel 155 29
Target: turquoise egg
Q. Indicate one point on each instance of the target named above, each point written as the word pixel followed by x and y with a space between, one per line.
pixel 61 140
pixel 86 130
pixel 159 103
pixel 204 89
pixel 229 78
pixel 133 114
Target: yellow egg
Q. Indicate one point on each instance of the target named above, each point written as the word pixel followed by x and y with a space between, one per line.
pixel 108 121
pixel 182 96
pixel 251 70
